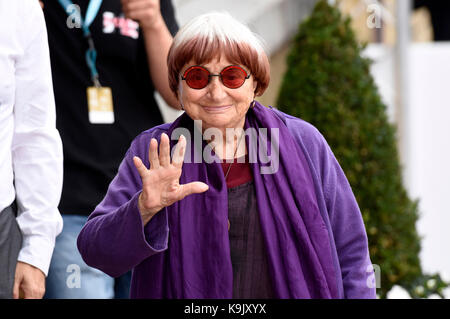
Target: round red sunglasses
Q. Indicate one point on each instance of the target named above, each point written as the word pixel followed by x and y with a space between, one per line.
pixel 197 77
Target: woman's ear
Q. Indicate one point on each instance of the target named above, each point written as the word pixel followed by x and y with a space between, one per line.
pixel 180 91
pixel 180 95
pixel 255 86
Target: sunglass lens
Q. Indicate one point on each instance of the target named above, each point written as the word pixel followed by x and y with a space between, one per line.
pixel 233 77
pixel 197 78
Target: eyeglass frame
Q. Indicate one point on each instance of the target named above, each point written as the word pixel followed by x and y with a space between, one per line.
pixel 210 75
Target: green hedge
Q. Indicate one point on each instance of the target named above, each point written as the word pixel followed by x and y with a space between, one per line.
pixel 328 84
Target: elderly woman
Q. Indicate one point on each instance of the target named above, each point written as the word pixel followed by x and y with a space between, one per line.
pixel 208 212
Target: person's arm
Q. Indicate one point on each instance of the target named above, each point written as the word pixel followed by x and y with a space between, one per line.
pixel 37 155
pixel 130 224
pixel 158 40
pixel 341 212
pixel 348 228
pixel 115 238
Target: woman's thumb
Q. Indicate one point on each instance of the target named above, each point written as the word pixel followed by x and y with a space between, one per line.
pixel 193 188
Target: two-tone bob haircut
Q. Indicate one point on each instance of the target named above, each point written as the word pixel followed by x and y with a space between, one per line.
pixel 212 35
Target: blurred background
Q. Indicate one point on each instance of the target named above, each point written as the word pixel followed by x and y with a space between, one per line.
pixel 409 43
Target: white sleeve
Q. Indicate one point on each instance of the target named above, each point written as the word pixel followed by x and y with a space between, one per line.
pixel 36 148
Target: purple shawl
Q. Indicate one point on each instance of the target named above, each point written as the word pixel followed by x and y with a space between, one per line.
pixel 183 252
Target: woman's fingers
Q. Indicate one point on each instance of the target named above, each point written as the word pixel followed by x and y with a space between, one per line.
pixel 163 164
pixel 153 154
pixel 178 153
pixel 163 158
pixel 139 166
pixel 164 151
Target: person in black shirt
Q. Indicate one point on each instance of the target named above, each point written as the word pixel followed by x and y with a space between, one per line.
pixel 132 39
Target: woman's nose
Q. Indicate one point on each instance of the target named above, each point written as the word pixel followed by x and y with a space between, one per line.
pixel 216 89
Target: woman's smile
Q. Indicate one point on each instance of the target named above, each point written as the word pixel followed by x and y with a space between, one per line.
pixel 217 109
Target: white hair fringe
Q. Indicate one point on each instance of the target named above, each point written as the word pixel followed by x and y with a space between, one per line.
pixel 219 25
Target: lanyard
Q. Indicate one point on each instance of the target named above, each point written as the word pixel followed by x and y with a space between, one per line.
pixel 91 53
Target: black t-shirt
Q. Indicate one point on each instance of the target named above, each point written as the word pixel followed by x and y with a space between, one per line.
pixel 93 152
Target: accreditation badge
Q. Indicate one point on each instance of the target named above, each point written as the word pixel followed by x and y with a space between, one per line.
pixel 100 105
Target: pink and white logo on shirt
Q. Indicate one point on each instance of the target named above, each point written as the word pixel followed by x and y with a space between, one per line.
pixel 127 27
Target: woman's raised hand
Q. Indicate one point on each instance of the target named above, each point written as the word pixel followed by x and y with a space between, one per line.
pixel 161 183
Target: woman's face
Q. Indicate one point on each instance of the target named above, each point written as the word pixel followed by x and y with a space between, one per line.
pixel 216 105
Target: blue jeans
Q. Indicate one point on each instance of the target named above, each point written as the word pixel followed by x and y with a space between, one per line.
pixel 70 278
